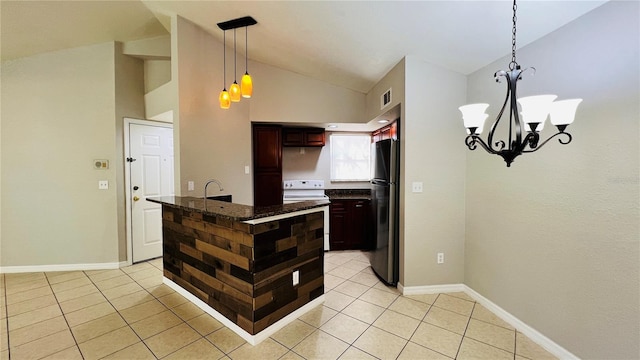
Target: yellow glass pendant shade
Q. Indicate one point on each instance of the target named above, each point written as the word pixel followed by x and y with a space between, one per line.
pixel 234 92
pixel 225 99
pixel 247 85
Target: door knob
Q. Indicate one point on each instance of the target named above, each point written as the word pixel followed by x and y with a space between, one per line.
pixel 135 198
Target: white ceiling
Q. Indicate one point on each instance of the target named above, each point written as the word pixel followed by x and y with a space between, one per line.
pixel 347 43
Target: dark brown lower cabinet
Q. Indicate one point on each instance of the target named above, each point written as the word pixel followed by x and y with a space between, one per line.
pixel 349 224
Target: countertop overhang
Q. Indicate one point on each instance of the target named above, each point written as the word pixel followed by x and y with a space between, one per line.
pixel 233 211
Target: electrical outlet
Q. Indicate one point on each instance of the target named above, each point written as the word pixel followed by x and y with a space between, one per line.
pixel 246 169
pixel 440 258
pixel 296 277
pixel 416 187
pixel 190 186
pixel 103 185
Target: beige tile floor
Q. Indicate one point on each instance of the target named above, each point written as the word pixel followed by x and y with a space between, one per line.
pixel 129 314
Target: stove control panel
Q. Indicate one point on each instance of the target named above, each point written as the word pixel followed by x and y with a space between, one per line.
pixel 303 184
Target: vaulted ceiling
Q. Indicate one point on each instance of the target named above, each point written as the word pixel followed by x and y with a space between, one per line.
pixel 347 43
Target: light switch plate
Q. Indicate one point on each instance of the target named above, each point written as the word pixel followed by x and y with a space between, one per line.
pixel 190 186
pixel 246 169
pixel 416 187
pixel 103 185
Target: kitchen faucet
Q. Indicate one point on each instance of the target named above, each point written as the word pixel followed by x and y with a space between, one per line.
pixel 209 182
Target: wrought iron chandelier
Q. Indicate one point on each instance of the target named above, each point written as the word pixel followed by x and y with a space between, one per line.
pixel 534 112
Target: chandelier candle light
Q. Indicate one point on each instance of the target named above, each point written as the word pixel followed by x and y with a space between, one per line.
pixel 235 90
pixel 534 112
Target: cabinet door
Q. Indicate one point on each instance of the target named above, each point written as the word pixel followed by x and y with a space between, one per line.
pixel 314 137
pixel 267 189
pixel 358 216
pixel 338 226
pixel 292 137
pixel 267 165
pixel 267 148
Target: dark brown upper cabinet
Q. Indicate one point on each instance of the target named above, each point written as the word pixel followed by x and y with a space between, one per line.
pixel 305 137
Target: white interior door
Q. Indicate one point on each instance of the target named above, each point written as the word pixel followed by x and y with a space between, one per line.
pixel 151 171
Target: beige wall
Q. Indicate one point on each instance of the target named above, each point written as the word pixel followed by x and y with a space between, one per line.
pixel 214 143
pixel 129 101
pixel 554 239
pixel 284 96
pixel 433 153
pixel 58 114
pixel 394 80
pixel 156 74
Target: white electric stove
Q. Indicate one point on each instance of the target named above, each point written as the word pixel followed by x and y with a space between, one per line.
pixel 303 190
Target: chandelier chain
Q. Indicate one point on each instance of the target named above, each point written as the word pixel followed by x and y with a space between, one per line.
pixel 513 64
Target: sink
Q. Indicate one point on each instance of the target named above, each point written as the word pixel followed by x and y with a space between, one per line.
pixel 225 198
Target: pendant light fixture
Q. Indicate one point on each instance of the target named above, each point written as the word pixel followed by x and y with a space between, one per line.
pixel 247 83
pixel 225 99
pixel 534 112
pixel 235 91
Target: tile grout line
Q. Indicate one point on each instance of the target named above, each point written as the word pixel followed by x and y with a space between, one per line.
pixel 6 314
pixel 416 329
pixel 515 343
pixel 64 317
pixel 465 329
pixel 184 321
pixel 368 325
pixel 120 315
pixel 340 312
pixel 173 312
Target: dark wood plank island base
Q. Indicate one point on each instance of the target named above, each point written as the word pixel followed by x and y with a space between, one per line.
pixel 255 275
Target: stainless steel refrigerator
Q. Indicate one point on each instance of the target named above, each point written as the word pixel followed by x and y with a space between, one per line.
pixel 385 194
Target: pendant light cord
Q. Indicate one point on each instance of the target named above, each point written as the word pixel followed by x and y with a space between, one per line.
pixel 246 49
pixel 235 71
pixel 224 59
pixel 513 64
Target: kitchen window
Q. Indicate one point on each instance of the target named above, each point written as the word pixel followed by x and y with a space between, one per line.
pixel 350 157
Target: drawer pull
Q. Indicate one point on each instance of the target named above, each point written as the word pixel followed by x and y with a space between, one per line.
pixel 358 205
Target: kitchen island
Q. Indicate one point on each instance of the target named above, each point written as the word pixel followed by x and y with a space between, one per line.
pixel 253 268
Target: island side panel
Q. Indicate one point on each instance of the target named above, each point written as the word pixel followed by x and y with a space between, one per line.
pixel 282 247
pixel 211 259
pixel 245 271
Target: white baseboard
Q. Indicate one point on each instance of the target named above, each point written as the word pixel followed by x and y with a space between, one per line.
pixel 522 327
pixel 518 324
pixel 60 267
pixel 251 339
pixel 430 289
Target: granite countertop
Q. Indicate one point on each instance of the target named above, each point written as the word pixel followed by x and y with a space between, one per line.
pixel 350 197
pixel 236 212
pixel 348 194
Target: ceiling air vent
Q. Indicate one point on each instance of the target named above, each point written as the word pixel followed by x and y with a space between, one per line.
pixel 385 99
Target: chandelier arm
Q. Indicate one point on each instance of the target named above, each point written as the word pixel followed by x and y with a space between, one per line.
pixel 472 140
pixel 500 143
pixel 513 77
pixel 559 133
